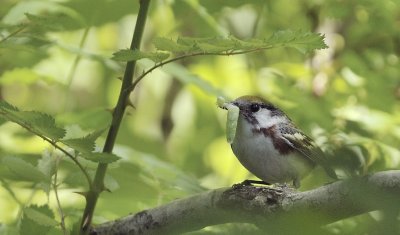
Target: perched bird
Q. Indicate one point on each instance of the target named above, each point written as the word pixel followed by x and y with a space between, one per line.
pixel 270 146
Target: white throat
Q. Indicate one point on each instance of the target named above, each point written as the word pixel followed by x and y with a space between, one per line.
pixel 266 120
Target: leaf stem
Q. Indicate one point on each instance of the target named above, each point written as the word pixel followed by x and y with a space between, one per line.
pixel 98 183
pixel 88 179
pixel 139 78
pixel 13 33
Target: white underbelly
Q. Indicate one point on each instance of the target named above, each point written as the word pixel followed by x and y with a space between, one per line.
pixel 258 155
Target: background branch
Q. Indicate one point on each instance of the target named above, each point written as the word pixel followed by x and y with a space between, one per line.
pixel 262 206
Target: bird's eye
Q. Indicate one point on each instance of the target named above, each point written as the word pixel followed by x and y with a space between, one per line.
pixel 254 107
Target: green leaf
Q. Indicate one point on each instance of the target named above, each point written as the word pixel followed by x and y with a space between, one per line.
pixel 39 217
pixel 6 106
pixel 101 157
pixel 192 42
pixel 54 21
pixel 85 144
pixel 130 55
pixel 248 45
pixel 110 183
pixel 41 123
pixel 212 48
pixel 302 41
pixel 216 45
pixel 47 164
pixel 24 169
pixel 165 44
pixel 37 220
pixel 94 135
pixel 38 123
pixel 101 12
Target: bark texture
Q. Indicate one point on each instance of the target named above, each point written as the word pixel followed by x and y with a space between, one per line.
pixel 271 209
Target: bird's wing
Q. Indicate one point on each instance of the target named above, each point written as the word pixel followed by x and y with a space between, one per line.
pixel 306 146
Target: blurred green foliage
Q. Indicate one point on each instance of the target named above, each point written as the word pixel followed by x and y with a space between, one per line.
pixel 55 57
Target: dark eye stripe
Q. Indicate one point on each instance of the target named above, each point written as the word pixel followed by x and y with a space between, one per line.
pixel 268 106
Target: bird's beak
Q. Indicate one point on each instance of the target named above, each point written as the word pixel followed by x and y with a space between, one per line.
pixel 223 104
pixel 234 104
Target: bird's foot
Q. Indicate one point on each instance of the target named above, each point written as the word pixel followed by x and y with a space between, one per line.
pixel 250 183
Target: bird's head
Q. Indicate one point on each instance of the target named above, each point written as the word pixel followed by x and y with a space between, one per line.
pixel 259 112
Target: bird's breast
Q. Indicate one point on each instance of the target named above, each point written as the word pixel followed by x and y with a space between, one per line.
pixel 259 150
pixel 257 153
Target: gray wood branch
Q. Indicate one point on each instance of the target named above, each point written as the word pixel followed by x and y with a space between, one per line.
pixel 263 206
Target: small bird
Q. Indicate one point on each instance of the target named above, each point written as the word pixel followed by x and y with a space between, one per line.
pixel 271 147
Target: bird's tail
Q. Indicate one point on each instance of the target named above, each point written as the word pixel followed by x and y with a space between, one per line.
pixel 330 172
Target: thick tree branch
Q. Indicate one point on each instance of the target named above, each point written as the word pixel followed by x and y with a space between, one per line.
pixel 271 207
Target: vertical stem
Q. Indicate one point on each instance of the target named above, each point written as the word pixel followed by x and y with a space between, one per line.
pixel 98 182
pixel 73 68
pixel 55 188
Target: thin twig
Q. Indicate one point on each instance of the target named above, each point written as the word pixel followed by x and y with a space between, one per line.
pixel 12 34
pixel 74 66
pixel 60 210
